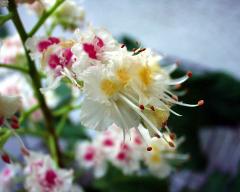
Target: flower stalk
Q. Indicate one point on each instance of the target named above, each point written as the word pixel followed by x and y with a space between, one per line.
pixel 36 81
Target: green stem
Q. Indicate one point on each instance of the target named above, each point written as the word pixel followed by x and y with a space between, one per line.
pixel 26 114
pixel 14 67
pixel 36 82
pixel 44 17
pixel 5 18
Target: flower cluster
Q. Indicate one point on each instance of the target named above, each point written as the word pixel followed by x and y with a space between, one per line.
pixel 69 15
pixel 127 88
pixel 128 155
pixel 42 174
pixel 39 173
pixel 11 50
pixel 8 178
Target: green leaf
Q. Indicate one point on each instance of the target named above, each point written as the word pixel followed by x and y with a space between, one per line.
pixel 116 181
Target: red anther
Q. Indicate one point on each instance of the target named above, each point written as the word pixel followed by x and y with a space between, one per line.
pixel 24 151
pixel 15 125
pixel 141 107
pixel 149 148
pixel 143 49
pixel 1 121
pixel 189 74
pixel 123 45
pixel 6 158
pixel 175 97
pixel 156 135
pixel 172 136
pixel 14 119
pixel 152 107
pixel 200 102
pixel 171 144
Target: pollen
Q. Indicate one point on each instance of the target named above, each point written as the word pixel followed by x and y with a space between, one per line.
pixel 155 158
pixel 109 87
pixel 123 76
pixel 145 75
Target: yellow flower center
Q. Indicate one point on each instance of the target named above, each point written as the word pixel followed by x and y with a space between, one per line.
pixel 123 76
pixel 145 75
pixel 155 158
pixel 109 87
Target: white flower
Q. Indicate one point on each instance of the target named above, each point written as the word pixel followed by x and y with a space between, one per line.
pixel 3 3
pixel 129 89
pixel 56 58
pixel 90 157
pixel 102 106
pixel 43 175
pixel 93 47
pixel 159 155
pixel 11 50
pixel 7 178
pixel 69 15
pixel 110 146
pixel 37 45
pixel 17 85
pixel 9 105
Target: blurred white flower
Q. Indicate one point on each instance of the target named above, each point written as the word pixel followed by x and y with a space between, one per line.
pixel 3 3
pixel 9 105
pixel 127 154
pixel 42 174
pixel 159 155
pixel 8 178
pixel 90 157
pixel 17 85
pixel 11 49
pixel 69 15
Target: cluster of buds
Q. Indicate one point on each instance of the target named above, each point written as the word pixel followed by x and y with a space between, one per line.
pixel 9 105
pixel 127 155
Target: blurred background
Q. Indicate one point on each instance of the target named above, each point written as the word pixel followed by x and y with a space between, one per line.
pixel 204 36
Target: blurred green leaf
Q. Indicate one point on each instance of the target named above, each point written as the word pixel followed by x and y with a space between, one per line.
pixel 116 181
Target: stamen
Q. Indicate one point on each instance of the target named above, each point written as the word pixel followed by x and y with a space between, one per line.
pixel 156 135
pixel 149 148
pixel 136 109
pixel 5 157
pixel 152 107
pixel 141 107
pixel 175 97
pixel 122 46
pixel 189 74
pixel 200 102
pixel 171 144
pixel 178 80
pixel 172 136
pixel 122 119
pixel 24 151
pixel 170 68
